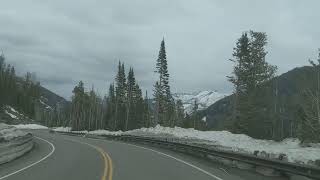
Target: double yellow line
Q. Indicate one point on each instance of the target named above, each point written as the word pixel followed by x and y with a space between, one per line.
pixel 108 168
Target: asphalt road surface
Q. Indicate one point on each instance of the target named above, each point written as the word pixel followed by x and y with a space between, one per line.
pixel 62 157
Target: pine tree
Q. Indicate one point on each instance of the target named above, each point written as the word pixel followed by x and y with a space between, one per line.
pixel 110 108
pixel 164 102
pixel 131 98
pixel 120 114
pixel 179 113
pixel 250 71
pixel 147 117
pixel 309 112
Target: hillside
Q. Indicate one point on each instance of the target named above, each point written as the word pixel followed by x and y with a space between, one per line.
pixel 51 98
pixel 48 100
pixel 276 111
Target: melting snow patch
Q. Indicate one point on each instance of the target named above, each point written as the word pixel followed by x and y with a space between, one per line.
pixel 11 115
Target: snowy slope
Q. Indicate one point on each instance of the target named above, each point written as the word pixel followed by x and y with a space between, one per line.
pixel 14 114
pixel 203 98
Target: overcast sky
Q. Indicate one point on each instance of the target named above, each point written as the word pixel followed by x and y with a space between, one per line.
pixel 64 41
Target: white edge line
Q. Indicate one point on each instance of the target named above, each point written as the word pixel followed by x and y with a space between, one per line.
pixel 42 159
pixel 169 156
pixel 182 161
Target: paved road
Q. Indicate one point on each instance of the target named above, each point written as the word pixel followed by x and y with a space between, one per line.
pixel 59 157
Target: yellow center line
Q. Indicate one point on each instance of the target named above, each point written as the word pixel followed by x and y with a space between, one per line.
pixel 110 174
pixel 108 168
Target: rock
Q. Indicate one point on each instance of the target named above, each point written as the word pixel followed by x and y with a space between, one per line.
pixel 283 157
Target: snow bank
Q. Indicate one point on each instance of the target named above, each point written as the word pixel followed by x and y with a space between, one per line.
pixel 105 132
pixel 30 126
pixel 238 142
pixel 13 143
pixel 8 133
pixel 62 129
pixel 226 140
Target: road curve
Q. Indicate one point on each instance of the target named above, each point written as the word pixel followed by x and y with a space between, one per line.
pixel 59 157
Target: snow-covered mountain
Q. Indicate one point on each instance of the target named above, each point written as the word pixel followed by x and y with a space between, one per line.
pixel 203 98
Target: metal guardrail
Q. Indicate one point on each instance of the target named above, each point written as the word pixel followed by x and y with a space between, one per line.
pixel 294 168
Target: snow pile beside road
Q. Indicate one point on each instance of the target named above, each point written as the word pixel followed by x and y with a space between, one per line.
pixel 223 140
pixel 62 129
pixel 13 143
pixel 106 132
pixel 30 126
pixel 237 142
pixel 8 133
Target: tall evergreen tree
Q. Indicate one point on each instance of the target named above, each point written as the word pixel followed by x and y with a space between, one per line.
pixel 121 90
pixel 164 102
pixel 250 71
pixel 131 98
pixel 309 112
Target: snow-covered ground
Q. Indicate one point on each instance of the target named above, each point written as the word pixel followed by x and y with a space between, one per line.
pixel 8 132
pixel 227 141
pixel 63 129
pixel 30 126
pixel 203 98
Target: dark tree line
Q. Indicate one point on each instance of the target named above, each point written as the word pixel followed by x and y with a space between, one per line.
pixel 124 107
pixel 20 93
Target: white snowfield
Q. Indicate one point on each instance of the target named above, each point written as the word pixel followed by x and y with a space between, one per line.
pixel 30 126
pixel 226 140
pixel 203 98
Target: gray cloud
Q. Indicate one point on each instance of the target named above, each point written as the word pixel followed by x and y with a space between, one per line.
pixel 67 41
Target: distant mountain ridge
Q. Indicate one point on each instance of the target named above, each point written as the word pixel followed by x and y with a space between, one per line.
pixel 203 98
